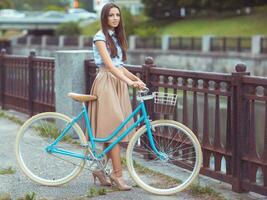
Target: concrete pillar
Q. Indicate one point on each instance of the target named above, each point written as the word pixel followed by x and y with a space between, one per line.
pixel 43 42
pixel 14 41
pixel 206 43
pixel 256 44
pixel 61 41
pixel 69 77
pixel 132 42
pixel 80 41
pixel 28 41
pixel 165 42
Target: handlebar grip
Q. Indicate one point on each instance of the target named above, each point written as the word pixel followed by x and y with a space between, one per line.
pixel 144 90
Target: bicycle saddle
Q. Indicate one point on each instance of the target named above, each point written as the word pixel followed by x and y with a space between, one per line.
pixel 81 97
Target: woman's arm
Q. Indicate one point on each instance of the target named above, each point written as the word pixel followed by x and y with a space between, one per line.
pixel 130 75
pixel 101 46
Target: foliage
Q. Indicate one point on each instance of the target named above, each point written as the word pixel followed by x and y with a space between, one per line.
pixel 38 5
pixel 161 9
pixel 5 196
pixel 8 170
pixel 145 32
pixel 246 25
pixel 198 190
pixel 93 192
pixel 91 29
pixel 30 196
pixel 69 29
pixel 6 4
pixel 54 7
pixel 129 23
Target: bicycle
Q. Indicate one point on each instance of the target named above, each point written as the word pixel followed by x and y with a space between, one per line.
pixel 51 148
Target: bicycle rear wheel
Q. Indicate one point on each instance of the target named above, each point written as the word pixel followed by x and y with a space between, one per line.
pixel 180 165
pixel 36 162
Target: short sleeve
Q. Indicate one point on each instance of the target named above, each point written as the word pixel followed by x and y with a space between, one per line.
pixel 99 36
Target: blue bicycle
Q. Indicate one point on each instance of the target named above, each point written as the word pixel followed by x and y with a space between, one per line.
pixel 163 157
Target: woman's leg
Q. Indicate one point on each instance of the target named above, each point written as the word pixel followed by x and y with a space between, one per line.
pixel 114 155
pixel 116 176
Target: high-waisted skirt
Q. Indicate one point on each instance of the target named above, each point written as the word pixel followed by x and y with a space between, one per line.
pixel 112 106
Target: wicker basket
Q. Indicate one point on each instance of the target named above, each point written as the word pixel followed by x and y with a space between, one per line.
pixel 164 103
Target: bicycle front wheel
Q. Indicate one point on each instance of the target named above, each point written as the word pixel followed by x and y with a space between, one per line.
pixel 37 162
pixel 172 172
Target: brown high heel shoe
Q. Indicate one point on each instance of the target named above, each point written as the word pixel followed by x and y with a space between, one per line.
pixel 102 178
pixel 119 182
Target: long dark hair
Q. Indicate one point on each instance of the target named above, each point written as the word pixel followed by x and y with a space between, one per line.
pixel 119 31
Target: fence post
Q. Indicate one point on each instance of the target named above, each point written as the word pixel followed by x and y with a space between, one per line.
pixel 31 81
pixel 256 44
pixel 80 42
pixel 149 63
pixel 206 43
pixel 90 70
pixel 132 42
pixel 3 77
pixel 165 41
pixel 239 115
pixel 28 41
pixel 44 41
pixel 61 41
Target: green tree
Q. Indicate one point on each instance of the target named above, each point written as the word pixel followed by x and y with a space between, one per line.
pixel 162 9
pixel 6 4
pixel 129 23
pixel 69 29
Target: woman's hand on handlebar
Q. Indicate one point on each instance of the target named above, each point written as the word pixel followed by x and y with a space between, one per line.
pixel 139 84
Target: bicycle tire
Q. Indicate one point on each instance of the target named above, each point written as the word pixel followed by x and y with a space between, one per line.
pixel 164 176
pixel 33 159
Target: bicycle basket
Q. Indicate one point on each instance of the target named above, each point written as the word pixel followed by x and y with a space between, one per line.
pixel 164 103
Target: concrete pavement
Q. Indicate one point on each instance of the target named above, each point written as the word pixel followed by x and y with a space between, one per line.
pixel 17 184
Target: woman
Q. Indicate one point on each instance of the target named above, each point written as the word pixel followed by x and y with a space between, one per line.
pixel 110 86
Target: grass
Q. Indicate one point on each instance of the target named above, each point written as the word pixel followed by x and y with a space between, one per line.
pixel 93 192
pixel 197 190
pixel 8 170
pixel 230 26
pixel 221 25
pixel 29 196
pixel 50 130
pixel 11 118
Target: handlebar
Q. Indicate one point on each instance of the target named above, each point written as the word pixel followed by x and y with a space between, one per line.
pixel 144 90
pixel 142 94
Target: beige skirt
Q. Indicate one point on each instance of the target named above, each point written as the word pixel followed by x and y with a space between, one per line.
pixel 112 106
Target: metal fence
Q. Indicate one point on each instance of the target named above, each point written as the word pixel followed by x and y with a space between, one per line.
pixel 27 83
pixel 236 44
pixel 264 45
pixel 227 112
pixel 217 44
pixel 185 43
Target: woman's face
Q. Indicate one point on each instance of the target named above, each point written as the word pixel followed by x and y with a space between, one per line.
pixel 113 18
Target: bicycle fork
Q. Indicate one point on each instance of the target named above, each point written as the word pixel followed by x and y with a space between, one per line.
pixel 150 128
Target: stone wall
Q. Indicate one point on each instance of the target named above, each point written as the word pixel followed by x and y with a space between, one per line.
pixel 188 60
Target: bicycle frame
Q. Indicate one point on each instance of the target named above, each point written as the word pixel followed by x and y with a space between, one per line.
pixel 92 140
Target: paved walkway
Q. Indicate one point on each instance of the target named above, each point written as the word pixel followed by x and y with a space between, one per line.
pixel 18 185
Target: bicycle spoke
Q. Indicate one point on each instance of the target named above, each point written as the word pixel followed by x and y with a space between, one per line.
pixel 171 172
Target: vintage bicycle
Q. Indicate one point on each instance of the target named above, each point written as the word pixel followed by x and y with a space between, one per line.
pixel 163 156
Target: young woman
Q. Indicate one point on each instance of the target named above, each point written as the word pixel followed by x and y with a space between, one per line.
pixel 111 88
